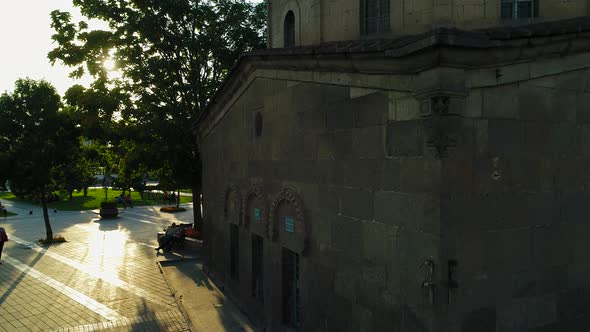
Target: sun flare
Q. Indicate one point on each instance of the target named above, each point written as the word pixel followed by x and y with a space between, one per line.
pixel 109 64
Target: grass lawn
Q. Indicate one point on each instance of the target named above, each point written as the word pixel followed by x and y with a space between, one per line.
pixel 96 196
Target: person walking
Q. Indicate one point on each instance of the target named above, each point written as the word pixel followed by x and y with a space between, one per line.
pixel 3 209
pixel 3 238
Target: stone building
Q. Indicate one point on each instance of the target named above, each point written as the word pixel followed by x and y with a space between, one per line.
pixel 405 166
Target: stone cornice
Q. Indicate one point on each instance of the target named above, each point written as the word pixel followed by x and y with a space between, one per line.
pixel 407 56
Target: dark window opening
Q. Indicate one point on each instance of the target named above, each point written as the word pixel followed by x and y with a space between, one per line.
pixel 290 280
pixel 374 16
pixel 258 124
pixel 519 9
pixel 257 268
pixel 289 29
pixel 234 251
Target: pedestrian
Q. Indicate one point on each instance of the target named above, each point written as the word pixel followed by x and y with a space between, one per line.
pixel 3 238
pixel 121 199
pixel 3 209
pixel 128 200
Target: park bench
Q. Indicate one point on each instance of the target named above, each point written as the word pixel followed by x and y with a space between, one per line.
pixel 189 239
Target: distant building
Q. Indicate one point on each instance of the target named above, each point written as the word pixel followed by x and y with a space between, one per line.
pixel 405 166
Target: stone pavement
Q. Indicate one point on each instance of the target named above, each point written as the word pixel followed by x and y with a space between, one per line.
pixel 204 304
pixel 104 278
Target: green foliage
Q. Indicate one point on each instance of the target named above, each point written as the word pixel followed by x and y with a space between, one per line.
pixel 173 55
pixel 36 139
pixel 38 136
pixel 94 198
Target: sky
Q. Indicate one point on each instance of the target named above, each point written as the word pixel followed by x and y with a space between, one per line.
pixel 25 40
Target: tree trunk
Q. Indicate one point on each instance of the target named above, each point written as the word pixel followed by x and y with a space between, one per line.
pixel 198 219
pixel 177 197
pixel 85 191
pixel 48 230
pixel 71 194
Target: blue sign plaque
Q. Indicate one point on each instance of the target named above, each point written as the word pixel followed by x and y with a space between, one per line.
pixel 256 215
pixel 289 225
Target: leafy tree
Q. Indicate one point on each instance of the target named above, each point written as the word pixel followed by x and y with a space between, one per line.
pixel 95 108
pixel 76 173
pixel 173 55
pixel 36 139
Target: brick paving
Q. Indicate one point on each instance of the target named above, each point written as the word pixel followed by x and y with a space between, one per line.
pixel 105 278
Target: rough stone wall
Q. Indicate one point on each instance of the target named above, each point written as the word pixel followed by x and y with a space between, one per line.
pixel 515 206
pixel 332 20
pixel 357 159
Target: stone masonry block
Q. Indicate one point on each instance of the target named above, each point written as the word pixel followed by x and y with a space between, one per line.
pixel 573 81
pixel 360 173
pixel 367 142
pixel 537 139
pixel 391 174
pixel 549 247
pixel 508 250
pixel 570 175
pixel 347 237
pixel 572 303
pixel 312 120
pixel 321 231
pixel 575 208
pixel 457 174
pixel 419 174
pixel 583 108
pixel 356 203
pixel 371 110
pixel 474 104
pixel 341 115
pixel 565 140
pixel 407 109
pixel 541 311
pixel 343 145
pixel 328 199
pixel 551 66
pixel 380 243
pixel 505 137
pixel 475 212
pixel 395 209
pixel 514 73
pixel 576 62
pixel 585 140
pixel 564 106
pixel 404 138
pixel 481 78
pixel 345 281
pixel 512 316
pixel 501 102
pixel 482 320
pixel 534 103
pixel 545 82
pixel 326 147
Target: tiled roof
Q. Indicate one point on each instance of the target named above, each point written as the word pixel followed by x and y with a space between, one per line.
pixel 482 38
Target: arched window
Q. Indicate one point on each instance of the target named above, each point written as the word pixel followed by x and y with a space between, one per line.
pixel 374 16
pixel 289 29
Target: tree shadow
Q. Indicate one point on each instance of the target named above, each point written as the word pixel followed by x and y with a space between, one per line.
pixel 21 276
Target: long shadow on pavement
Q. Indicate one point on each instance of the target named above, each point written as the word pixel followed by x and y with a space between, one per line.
pixel 21 276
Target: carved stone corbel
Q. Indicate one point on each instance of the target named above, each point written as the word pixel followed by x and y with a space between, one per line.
pixel 441 115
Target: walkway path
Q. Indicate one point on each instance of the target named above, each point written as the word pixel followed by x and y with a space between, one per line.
pixel 104 278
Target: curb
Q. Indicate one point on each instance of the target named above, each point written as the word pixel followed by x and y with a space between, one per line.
pixel 173 291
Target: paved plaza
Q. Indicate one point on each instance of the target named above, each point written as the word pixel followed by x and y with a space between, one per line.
pixel 105 276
